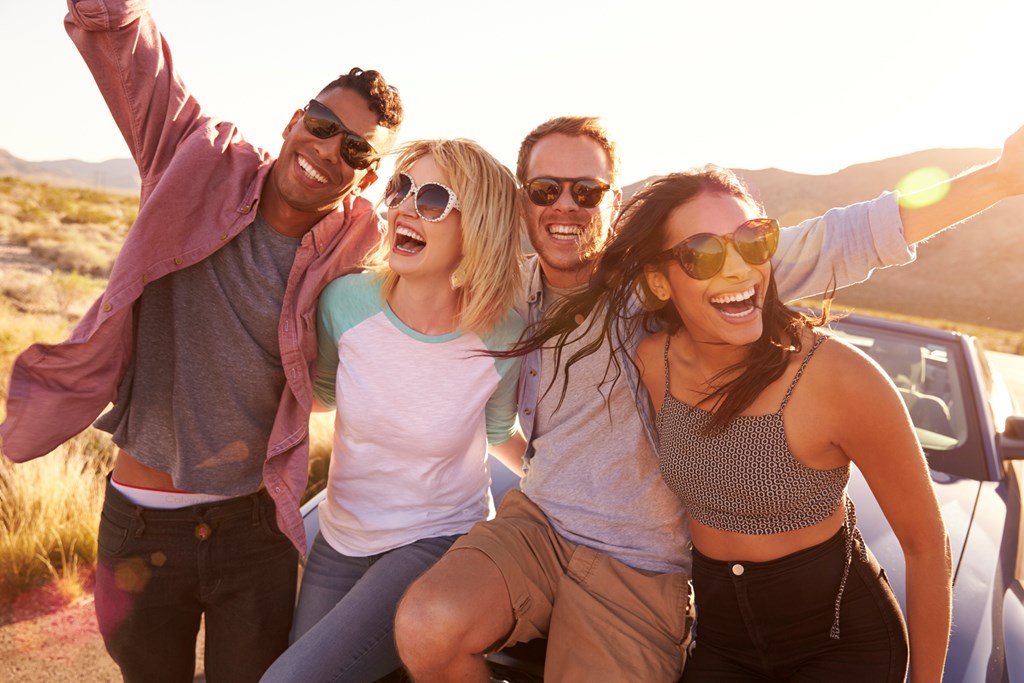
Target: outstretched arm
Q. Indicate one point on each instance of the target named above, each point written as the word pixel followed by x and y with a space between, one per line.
pixel 844 246
pixel 931 210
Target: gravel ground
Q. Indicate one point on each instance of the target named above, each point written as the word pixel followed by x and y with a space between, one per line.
pixel 62 646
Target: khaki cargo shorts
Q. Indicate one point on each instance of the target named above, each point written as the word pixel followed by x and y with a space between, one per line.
pixel 603 619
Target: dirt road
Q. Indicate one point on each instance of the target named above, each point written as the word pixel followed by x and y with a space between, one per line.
pixel 58 647
pixel 61 647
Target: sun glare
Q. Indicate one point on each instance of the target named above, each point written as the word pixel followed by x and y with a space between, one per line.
pixel 921 187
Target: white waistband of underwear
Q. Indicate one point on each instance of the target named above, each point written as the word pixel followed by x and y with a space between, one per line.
pixel 165 500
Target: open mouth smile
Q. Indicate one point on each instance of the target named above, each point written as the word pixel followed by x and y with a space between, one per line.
pixel 408 241
pixel 310 172
pixel 736 304
pixel 564 232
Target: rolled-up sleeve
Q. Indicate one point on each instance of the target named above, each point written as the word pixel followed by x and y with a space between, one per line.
pixel 846 244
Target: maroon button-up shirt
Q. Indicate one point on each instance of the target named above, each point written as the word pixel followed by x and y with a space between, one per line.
pixel 201 183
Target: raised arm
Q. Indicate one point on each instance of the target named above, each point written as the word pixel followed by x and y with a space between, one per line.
pixel 132 66
pixel 965 195
pixel 850 242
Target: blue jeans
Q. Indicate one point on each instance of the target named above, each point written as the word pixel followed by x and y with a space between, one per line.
pixel 344 622
pixel 160 571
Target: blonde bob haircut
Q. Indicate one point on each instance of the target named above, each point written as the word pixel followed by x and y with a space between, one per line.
pixel 492 230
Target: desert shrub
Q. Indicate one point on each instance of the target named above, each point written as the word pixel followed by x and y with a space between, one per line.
pixel 30 211
pixel 74 291
pixel 49 512
pixel 19 329
pixel 79 256
pixel 87 213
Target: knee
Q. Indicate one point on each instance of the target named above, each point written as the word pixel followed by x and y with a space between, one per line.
pixel 425 626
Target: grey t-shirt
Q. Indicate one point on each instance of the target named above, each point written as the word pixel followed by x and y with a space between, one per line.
pixel 201 395
pixel 594 467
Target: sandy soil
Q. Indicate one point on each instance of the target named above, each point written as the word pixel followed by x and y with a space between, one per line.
pixel 61 646
pixel 57 647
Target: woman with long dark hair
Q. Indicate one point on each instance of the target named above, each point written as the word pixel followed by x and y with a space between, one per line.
pixel 760 415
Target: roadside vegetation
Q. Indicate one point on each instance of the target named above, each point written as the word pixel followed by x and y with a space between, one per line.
pixel 993 339
pixel 56 249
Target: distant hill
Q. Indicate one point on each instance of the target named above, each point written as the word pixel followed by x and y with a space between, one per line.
pixel 114 175
pixel 971 274
pixel 968 275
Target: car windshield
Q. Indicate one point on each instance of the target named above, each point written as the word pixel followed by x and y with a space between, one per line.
pixel 928 381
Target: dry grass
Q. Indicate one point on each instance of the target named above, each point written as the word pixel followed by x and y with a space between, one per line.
pixel 992 338
pixel 49 512
pixel 59 244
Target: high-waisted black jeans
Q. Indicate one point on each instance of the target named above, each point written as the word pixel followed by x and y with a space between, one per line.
pixel 770 621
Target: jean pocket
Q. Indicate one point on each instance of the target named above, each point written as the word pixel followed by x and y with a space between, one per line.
pixel 268 523
pixel 112 536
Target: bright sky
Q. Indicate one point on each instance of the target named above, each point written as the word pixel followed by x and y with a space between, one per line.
pixel 802 85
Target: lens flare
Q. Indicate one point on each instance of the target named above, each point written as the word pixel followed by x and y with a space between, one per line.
pixel 923 187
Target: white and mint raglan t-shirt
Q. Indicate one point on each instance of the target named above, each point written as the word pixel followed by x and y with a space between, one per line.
pixel 415 414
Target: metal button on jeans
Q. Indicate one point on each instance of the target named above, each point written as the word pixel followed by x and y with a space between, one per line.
pixel 203 531
pixel 737 569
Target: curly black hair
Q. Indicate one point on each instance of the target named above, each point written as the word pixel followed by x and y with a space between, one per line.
pixel 384 99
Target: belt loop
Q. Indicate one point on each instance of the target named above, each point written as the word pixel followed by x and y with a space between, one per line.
pixel 140 522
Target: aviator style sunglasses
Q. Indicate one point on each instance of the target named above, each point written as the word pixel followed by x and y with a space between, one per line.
pixel 586 192
pixel 433 201
pixel 703 255
pixel 323 123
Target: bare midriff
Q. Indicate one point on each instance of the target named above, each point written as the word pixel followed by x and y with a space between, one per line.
pixel 131 472
pixel 728 546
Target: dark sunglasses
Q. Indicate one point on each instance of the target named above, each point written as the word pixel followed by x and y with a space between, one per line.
pixel 433 201
pixel 586 192
pixel 703 255
pixel 323 123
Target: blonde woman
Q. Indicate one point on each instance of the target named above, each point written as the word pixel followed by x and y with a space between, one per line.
pixel 419 402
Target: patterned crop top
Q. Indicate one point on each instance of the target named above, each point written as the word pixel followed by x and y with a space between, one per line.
pixel 743 478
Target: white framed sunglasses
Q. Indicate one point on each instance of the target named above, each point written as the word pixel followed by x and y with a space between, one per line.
pixel 433 201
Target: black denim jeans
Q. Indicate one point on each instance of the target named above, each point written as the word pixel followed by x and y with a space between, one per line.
pixel 770 621
pixel 159 571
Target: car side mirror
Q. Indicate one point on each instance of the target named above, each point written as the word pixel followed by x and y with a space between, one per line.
pixel 1011 441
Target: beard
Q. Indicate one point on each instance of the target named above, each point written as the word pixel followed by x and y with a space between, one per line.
pixel 593 239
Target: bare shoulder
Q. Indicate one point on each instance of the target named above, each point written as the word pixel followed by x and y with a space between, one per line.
pixel 846 371
pixel 841 396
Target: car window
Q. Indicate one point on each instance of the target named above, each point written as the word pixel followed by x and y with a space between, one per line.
pixel 1000 399
pixel 929 383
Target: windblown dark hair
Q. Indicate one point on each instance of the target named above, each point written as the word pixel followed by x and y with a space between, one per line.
pixel 383 99
pixel 624 307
